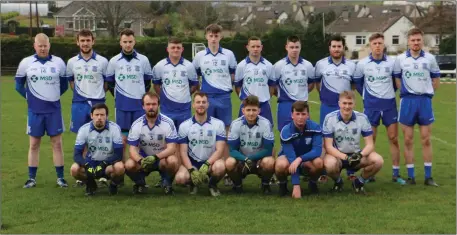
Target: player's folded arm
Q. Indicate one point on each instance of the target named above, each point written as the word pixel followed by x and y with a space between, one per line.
pixel 316 149
pixel 234 146
pixel 78 155
pixel 267 150
pixel 220 145
pixel 117 155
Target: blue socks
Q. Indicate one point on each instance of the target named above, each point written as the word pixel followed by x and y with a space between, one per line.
pixel 395 171
pixel 410 168
pixel 59 171
pixel 428 169
pixel 32 172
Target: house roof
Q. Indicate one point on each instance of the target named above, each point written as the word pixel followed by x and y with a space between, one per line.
pixel 436 22
pixel 68 11
pixel 371 18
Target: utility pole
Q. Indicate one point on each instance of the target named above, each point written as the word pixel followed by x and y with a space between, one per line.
pixel 323 24
pixel 31 17
pixel 37 18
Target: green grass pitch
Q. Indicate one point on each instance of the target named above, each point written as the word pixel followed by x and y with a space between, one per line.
pixel 388 207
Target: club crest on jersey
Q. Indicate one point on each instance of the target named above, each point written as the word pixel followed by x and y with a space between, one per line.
pixel 94 69
pixel 223 62
pixel 345 72
pixel 308 140
pixel 210 133
pixel 86 68
pixel 354 131
pixel 160 137
pixel 183 73
pixel 257 135
pixel 201 132
pixel 424 65
pixel 303 72
pixel 264 72
pixel 129 68
pixel 137 68
pixel 107 140
pixel 387 69
pixel 53 70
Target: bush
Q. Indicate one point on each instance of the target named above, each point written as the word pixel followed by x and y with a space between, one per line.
pixel 9 15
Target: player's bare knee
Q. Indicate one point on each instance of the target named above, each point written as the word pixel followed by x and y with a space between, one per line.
pixel 34 145
pixel 182 177
pixel 75 170
pixel 281 164
pixel 331 164
pixel 393 139
pixel 130 165
pixel 218 168
pixel 56 142
pixel 119 168
pixel 268 163
pixel 318 163
pixel 425 140
pixel 230 164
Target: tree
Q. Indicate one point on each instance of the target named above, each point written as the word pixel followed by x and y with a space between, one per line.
pixel 114 13
pixel 447 45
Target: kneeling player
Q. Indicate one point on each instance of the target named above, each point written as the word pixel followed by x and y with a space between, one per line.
pixel 152 141
pixel 103 140
pixel 342 130
pixel 301 147
pixel 251 142
pixel 202 142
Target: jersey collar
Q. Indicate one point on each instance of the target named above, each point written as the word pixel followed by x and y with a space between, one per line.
pixel 340 117
pixel 330 61
pixel 408 54
pixel 245 122
pixel 43 60
pixel 384 58
pixel 181 61
pixel 300 60
pixel 92 127
pixel 208 118
pixel 156 123
pixel 219 50
pixel 248 60
pixel 93 56
pixel 134 55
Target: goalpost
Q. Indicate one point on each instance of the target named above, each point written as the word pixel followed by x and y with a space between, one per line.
pixel 196 47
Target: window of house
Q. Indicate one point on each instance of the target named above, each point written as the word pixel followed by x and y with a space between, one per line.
pixel 84 23
pixel 69 24
pixel 437 40
pixel 360 40
pixel 127 24
pixel 395 39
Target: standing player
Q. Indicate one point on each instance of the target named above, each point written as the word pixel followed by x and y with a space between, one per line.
pixel 103 140
pixel 254 76
pixel 373 76
pixel 202 142
pixel 216 66
pixel 251 141
pixel 131 73
pixel 301 148
pixel 294 76
pixel 152 141
pixel 86 73
pixel 333 76
pixel 417 74
pixel 342 130
pixel 175 80
pixel 46 82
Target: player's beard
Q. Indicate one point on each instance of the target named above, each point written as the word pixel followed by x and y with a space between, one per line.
pixel 201 112
pixel 151 114
pixel 87 52
pixel 99 124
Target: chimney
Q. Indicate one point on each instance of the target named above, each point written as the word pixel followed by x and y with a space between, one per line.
pixel 356 8
pixel 249 9
pixel 311 8
pixel 367 11
pixel 294 7
pixel 345 15
pixel 408 8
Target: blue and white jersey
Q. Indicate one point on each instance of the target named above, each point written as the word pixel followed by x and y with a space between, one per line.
pixel 250 138
pixel 346 136
pixel 201 138
pixel 416 73
pixel 176 81
pixel 378 83
pixel 334 79
pixel 129 77
pixel 88 76
pixel 215 70
pixel 254 79
pixel 293 80
pixel 100 143
pixel 42 77
pixel 152 140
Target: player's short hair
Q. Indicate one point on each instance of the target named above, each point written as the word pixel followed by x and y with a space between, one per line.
pixel 213 28
pixel 376 36
pixel 300 106
pixel 99 106
pixel 347 95
pixel 293 38
pixel 150 94
pixel 85 33
pixel 415 31
pixel 337 38
pixel 126 32
pixel 201 94
pixel 251 100
pixel 253 38
pixel 174 40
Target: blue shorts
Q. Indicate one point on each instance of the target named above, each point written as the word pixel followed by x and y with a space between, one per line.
pixel 417 109
pixel 265 111
pixel 156 164
pixel 389 116
pixel 178 117
pixel 38 123
pixel 80 115
pixel 284 114
pixel 220 108
pixel 197 164
pixel 125 118
pixel 326 109
pixel 345 165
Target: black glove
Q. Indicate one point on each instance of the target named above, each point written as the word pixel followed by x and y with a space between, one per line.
pixel 354 159
pixel 100 170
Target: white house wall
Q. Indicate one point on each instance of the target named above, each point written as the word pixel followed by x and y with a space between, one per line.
pixel 399 28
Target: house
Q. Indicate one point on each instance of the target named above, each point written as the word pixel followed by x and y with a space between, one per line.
pixel 358 23
pixel 79 15
pixel 269 14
